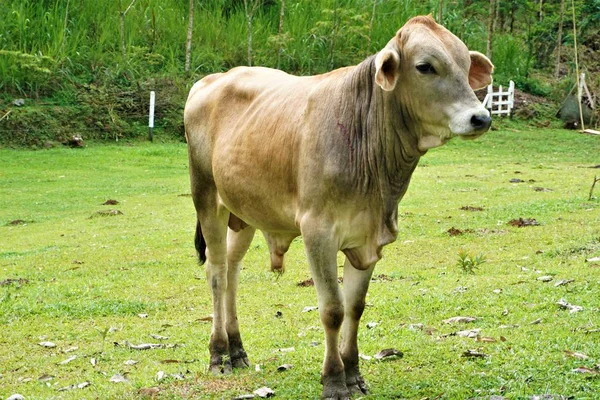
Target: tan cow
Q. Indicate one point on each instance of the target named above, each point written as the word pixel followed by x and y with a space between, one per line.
pixel 327 157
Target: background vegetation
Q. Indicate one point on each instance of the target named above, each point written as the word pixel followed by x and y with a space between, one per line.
pixel 93 282
pixel 67 58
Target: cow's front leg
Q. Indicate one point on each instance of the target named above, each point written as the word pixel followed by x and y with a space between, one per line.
pixel 321 252
pixel 237 246
pixel 356 283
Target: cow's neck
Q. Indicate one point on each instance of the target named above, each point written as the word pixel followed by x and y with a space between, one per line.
pixel 383 148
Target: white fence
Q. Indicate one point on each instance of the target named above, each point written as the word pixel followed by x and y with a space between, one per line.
pixel 500 102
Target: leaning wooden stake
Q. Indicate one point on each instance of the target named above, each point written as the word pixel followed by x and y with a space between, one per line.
pixel 596 179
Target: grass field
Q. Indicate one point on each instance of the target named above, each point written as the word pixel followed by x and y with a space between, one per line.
pixel 91 284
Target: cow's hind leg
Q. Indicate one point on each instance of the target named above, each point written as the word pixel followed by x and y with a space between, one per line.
pixel 356 283
pixel 212 232
pixel 237 246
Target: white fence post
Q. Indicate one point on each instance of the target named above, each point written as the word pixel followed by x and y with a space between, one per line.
pixel 151 117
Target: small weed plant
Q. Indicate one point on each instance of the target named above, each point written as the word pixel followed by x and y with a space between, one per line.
pixel 468 263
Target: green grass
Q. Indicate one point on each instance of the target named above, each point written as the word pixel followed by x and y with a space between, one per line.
pixel 81 276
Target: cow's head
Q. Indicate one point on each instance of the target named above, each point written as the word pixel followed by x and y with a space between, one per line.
pixel 433 74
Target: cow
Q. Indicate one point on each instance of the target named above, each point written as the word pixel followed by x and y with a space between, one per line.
pixel 327 157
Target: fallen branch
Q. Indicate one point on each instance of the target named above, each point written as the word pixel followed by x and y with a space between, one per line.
pixel 5 115
pixel 596 179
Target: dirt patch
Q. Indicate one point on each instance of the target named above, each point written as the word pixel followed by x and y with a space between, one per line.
pixel 106 213
pixel 521 222
pixel 13 281
pixel 110 202
pixel 17 222
pixel 471 208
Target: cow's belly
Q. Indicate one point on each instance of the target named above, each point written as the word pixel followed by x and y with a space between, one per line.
pixel 260 194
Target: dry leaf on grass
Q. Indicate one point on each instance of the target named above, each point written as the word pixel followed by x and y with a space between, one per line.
pixel 474 354
pixel 286 350
pixel 16 396
pixel 284 367
pixel 48 345
pixel 306 283
pixel 575 354
pixel 130 362
pixel 45 378
pixel 81 385
pixel 118 378
pixel 486 339
pixel 244 397
pixel 68 360
pixel 564 282
pixel 160 375
pixel 545 278
pixel 387 353
pixel 572 308
pixel 264 392
pixel 149 392
pixel 586 370
pixel 309 308
pixel 593 259
pixel 158 337
pixel 459 320
pixel 371 325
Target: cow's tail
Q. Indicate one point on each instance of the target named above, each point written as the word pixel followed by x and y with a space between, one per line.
pixel 200 244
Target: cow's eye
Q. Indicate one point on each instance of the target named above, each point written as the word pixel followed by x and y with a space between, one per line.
pixel 426 68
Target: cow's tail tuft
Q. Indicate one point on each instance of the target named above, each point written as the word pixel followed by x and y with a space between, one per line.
pixel 200 244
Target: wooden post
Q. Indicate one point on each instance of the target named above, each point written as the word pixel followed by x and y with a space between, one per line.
pixel 151 117
pixel 511 97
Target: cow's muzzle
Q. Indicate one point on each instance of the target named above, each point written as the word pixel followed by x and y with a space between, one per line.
pixel 481 123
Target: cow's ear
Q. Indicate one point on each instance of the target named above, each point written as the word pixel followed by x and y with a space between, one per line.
pixel 480 73
pixel 387 64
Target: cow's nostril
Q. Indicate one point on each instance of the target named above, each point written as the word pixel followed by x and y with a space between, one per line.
pixel 481 121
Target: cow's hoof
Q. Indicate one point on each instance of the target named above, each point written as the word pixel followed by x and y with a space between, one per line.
pixel 335 391
pixel 221 368
pixel 240 361
pixel 357 385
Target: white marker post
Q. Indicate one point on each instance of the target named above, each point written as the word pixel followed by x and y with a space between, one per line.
pixel 151 118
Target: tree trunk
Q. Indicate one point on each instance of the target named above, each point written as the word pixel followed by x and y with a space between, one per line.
pixel 333 35
pixel 559 38
pixel 541 12
pixel 122 15
pixel 513 8
pixel 281 19
pixel 368 50
pixel 250 7
pixel 64 32
pixel 490 30
pixel 188 47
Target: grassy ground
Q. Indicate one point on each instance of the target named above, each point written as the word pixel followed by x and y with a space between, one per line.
pixel 81 280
